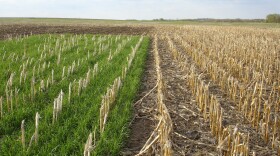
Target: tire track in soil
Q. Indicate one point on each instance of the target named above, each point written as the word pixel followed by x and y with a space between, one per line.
pixel 143 124
pixel 196 136
pixel 231 115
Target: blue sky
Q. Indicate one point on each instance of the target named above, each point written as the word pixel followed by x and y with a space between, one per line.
pixel 139 9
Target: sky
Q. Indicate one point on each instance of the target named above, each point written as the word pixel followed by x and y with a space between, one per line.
pixel 139 9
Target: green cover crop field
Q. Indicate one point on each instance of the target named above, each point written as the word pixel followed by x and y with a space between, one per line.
pixel 68 94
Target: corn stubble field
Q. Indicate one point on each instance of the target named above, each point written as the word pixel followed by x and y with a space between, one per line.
pixel 216 92
pixel 233 76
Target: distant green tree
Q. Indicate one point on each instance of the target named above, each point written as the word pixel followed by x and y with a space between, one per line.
pixel 159 19
pixel 273 18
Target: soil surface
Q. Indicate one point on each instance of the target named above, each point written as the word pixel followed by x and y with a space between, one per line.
pixel 144 109
pixel 7 31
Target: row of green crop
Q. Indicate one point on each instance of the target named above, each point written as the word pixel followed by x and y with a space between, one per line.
pixel 78 117
pixel 9 122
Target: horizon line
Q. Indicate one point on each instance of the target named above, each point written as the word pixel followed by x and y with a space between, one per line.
pixel 170 19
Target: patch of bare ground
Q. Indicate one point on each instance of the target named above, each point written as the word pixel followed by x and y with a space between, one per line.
pixel 7 31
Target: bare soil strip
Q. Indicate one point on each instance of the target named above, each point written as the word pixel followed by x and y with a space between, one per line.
pixel 7 31
pixel 144 109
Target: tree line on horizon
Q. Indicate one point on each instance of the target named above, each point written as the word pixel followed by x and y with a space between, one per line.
pixel 270 18
pixel 273 18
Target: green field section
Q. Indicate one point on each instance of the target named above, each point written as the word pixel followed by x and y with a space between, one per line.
pixel 68 94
